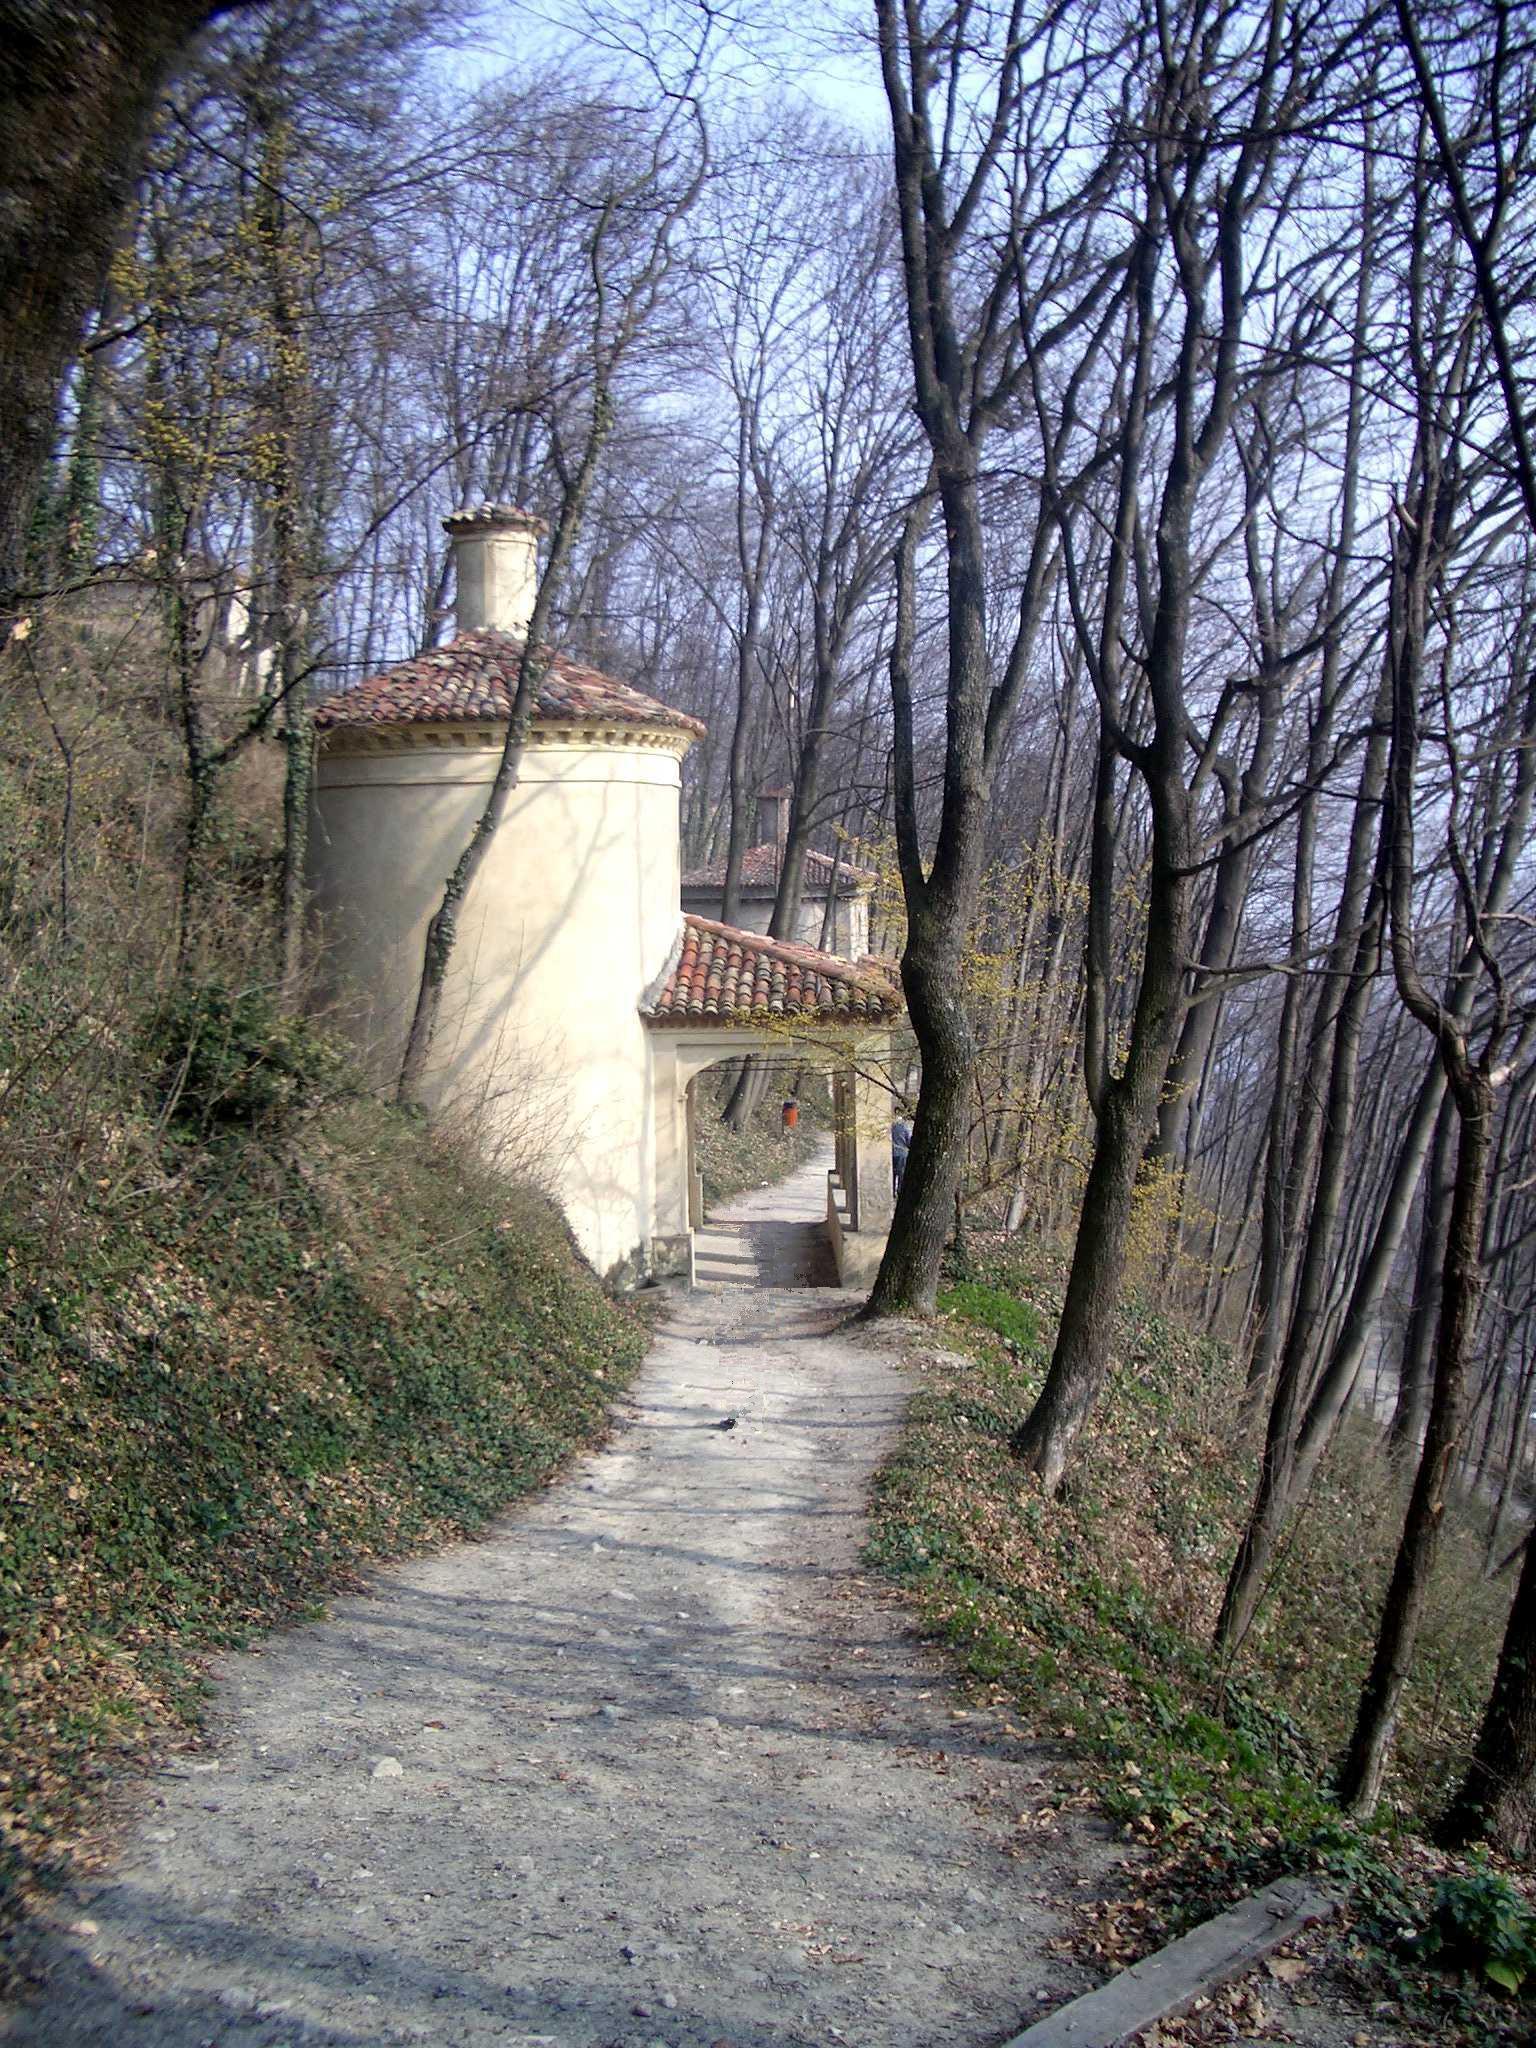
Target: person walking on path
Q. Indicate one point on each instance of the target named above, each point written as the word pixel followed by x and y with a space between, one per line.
pixel 901 1145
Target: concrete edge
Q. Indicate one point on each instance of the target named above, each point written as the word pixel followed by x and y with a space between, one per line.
pixel 1168 1983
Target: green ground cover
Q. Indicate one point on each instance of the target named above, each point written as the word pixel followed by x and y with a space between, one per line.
pixel 1088 1619
pixel 307 1349
pixel 732 1161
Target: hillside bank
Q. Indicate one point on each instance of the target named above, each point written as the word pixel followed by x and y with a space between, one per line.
pixel 300 1349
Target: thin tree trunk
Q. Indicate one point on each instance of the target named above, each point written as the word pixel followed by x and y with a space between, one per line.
pixel 1416 1360
pixel 1292 1138
pixel 1355 952
pixel 1285 1479
pixel 1365 1762
pixel 442 931
pixel 752 558
pixel 287 383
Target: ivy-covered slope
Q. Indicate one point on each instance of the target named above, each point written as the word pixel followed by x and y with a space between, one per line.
pixel 1087 1620
pixel 312 1347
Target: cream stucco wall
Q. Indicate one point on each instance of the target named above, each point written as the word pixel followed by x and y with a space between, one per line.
pixel 573 916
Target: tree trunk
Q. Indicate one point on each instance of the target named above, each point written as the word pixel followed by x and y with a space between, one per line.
pixel 287 395
pixel 1292 1454
pixel 752 559
pixel 939 905
pixel 442 931
pixel 1497 1799
pixel 1365 1762
pixel 1079 1363
pixel 1126 1109
pixel 203 775
pixel 1416 1361
pixel 78 85
pixel 908 1280
pixel 747 1091
pixel 1355 953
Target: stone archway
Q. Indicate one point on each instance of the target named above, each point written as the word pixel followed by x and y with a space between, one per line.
pixel 859 1198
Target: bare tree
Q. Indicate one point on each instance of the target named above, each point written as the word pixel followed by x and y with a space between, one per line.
pixel 981 166
pixel 1480 1054
pixel 634 212
pixel 1205 188
pixel 78 86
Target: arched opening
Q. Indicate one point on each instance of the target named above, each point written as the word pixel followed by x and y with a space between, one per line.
pixel 773 1232
pixel 849 1190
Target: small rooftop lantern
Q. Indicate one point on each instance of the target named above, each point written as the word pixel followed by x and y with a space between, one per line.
pixel 495 566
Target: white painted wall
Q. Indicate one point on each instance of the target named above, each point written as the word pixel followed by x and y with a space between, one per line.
pixel 574 915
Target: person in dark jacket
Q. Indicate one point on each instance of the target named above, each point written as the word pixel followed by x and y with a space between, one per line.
pixel 901 1145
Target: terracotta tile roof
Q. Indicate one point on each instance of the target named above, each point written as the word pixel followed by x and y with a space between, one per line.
pixel 760 870
pixel 474 676
pixel 723 976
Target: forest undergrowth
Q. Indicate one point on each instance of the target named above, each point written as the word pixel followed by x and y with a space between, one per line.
pixel 1089 1620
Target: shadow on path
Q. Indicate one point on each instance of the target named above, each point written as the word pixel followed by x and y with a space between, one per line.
pixel 654 1765
pixel 770 1237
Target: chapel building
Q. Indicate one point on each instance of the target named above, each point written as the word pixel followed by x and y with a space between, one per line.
pixel 582 1000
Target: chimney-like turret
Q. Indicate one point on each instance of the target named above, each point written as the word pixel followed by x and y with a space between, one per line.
pixel 495 567
pixel 773 818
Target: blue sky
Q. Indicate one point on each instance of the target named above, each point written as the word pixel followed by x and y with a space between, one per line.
pixel 826 57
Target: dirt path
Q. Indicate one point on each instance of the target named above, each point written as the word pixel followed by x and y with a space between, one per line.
pixel 649 1765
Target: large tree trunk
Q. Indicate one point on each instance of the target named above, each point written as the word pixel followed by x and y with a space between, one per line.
pixel 1497 1799
pixel 78 85
pixel 940 905
pixel 1078 1364
pixel 907 1282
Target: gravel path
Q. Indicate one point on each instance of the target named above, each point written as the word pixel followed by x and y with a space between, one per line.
pixel 652 1764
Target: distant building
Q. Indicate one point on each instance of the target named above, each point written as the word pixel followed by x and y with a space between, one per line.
pixel 118 615
pixel 825 876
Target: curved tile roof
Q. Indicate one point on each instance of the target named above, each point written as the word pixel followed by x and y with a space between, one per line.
pixel 474 677
pixel 760 870
pixel 723 976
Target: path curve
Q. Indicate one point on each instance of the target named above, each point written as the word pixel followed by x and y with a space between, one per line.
pixel 652 1764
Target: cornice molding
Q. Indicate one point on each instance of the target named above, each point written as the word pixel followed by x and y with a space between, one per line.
pixel 598 737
